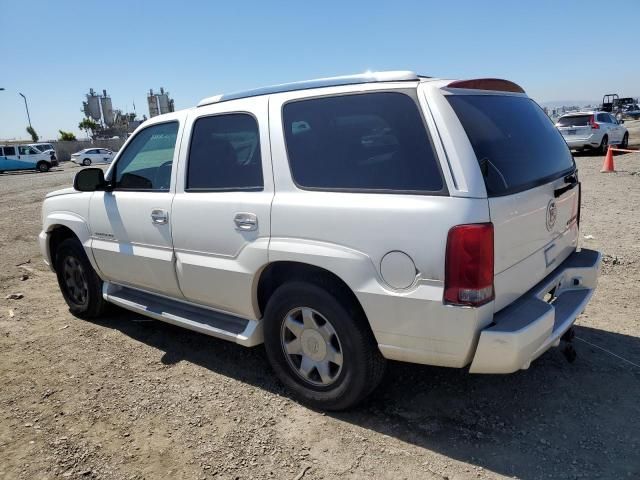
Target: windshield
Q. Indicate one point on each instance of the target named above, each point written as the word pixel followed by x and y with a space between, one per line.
pixel 574 121
pixel 516 144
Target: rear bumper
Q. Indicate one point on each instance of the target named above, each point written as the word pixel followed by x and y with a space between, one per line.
pixel 530 326
pixel 587 142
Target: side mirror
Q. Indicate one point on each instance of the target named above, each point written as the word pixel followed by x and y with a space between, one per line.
pixel 89 180
pixel 620 121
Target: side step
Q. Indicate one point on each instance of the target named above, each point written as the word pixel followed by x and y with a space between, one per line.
pixel 210 322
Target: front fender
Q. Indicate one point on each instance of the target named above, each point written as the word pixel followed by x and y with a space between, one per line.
pixel 74 222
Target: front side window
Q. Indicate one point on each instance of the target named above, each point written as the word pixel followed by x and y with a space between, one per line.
pixel 146 162
pixel 26 150
pixel 225 154
pixel 366 142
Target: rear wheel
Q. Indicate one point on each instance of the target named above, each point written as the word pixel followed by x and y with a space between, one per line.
pixel 604 144
pixel 86 162
pixel 625 141
pixel 42 167
pixel 322 350
pixel 80 285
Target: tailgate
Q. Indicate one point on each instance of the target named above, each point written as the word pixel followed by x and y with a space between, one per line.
pixel 525 163
pixel 533 233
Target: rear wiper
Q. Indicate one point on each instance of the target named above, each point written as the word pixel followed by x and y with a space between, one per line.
pixel 571 180
pixel 485 163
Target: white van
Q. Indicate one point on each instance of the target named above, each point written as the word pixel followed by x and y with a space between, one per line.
pixel 24 157
pixel 48 149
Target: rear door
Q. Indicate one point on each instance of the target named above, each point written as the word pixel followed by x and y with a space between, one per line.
pixel 525 163
pixel 604 120
pixel 221 216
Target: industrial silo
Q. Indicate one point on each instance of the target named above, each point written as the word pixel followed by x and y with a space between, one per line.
pixel 93 105
pixel 107 109
pixel 152 100
pixel 164 101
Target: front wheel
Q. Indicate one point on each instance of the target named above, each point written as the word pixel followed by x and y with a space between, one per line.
pixel 86 162
pixel 42 167
pixel 321 347
pixel 80 285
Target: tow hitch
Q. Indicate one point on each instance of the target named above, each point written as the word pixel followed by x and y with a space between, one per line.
pixel 568 351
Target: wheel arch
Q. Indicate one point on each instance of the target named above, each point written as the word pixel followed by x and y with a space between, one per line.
pixel 63 225
pixel 279 272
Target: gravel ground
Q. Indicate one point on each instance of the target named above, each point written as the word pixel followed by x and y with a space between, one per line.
pixel 129 398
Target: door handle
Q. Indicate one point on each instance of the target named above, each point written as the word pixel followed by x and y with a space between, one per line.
pixel 246 222
pixel 159 216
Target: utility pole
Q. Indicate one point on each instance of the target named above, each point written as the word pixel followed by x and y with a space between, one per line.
pixel 27 108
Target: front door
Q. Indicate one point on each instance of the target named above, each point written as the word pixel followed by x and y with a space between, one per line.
pixel 221 212
pixel 131 225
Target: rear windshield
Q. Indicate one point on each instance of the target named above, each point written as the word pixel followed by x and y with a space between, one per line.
pixel 574 121
pixel 516 144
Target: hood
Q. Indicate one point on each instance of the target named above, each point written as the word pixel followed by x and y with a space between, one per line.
pixel 64 191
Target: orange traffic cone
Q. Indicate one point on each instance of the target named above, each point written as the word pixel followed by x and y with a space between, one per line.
pixel 607 166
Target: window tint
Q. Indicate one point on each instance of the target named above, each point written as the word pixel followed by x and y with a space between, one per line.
pixel 516 144
pixel 9 151
pixel 603 117
pixel 146 162
pixel 225 154
pixel 373 141
pixel 574 121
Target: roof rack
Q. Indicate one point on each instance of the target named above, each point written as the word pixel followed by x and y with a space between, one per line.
pixel 367 77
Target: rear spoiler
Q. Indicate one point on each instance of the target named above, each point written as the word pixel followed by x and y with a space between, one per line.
pixel 495 84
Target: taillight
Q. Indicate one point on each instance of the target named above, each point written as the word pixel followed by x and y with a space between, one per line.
pixel 469 265
pixel 592 123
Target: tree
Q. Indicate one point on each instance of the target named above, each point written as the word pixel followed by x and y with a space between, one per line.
pixel 67 136
pixel 88 125
pixel 34 136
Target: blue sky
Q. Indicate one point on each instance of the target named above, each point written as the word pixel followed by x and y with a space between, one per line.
pixel 54 51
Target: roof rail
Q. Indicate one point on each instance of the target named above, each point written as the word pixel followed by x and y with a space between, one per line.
pixel 366 77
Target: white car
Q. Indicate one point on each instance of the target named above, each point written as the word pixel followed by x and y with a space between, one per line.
pixel 342 222
pixel 592 130
pixel 89 156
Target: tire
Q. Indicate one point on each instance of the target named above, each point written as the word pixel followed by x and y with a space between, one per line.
pixel 80 285
pixel 625 141
pixel 86 162
pixel 604 144
pixel 359 366
pixel 43 167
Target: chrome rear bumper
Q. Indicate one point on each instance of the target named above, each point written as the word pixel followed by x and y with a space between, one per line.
pixel 532 324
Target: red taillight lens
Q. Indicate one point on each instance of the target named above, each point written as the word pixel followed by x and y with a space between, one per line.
pixel 469 265
pixel 592 123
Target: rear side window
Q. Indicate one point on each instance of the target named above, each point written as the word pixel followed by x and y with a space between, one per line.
pixel 9 151
pixel 515 142
pixel 364 142
pixel 225 154
pixel 574 121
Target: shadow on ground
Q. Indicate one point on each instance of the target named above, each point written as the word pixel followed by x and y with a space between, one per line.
pixel 555 420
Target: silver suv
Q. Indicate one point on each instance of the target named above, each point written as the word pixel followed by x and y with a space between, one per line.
pixel 342 222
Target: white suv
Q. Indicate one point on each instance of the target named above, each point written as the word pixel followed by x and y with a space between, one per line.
pixel 342 222
pixel 592 130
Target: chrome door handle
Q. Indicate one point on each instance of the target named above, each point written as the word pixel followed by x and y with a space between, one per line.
pixel 246 221
pixel 159 216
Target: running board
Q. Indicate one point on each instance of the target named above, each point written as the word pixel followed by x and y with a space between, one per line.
pixel 210 322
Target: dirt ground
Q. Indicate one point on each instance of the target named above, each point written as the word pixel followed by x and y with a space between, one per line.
pixel 130 398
